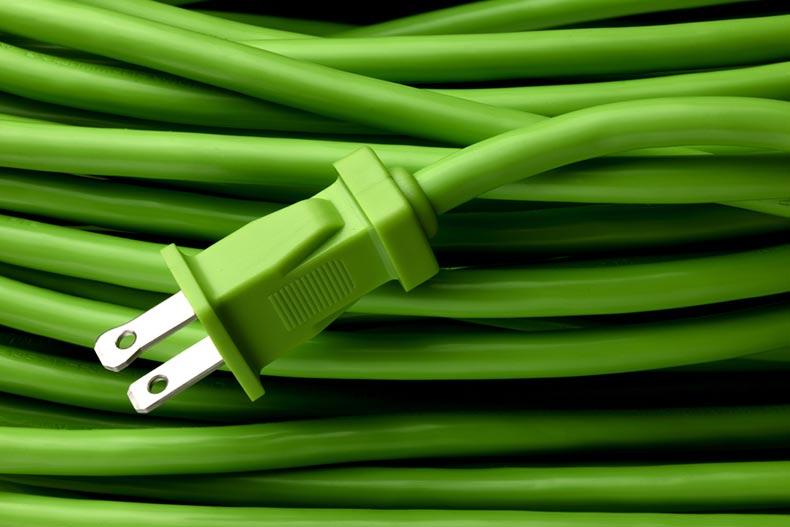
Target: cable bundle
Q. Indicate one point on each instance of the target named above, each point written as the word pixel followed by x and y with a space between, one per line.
pixel 606 342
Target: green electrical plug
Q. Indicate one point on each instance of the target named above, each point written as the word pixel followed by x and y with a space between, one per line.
pixel 282 279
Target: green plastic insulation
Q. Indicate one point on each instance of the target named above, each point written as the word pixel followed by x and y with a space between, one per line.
pixel 319 28
pixel 577 53
pixel 92 289
pixel 202 450
pixel 241 68
pixel 16 489
pixel 468 354
pixel 188 19
pixel 566 231
pixel 20 119
pixel 664 179
pixel 603 130
pixel 561 289
pixel 63 380
pixel 776 207
pixel 19 412
pixel 586 288
pixel 562 53
pixel 140 262
pixel 143 299
pixel 179 2
pixel 426 355
pixel 518 353
pixel 92 201
pixel 25 510
pixel 518 15
pixel 146 95
pixel 40 369
pixel 289 169
pixel 295 167
pixel 771 81
pixel 703 487
pixel 15 107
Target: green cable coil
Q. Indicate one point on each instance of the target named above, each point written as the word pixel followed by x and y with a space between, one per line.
pixel 607 339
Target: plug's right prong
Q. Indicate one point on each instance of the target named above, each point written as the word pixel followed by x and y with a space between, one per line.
pixel 118 347
pixel 174 376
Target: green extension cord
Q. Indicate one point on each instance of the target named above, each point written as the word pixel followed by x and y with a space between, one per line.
pixel 565 230
pixel 539 290
pixel 646 488
pixel 31 509
pixel 376 438
pixel 585 204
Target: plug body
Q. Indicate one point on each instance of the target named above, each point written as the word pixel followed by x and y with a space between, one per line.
pixel 280 280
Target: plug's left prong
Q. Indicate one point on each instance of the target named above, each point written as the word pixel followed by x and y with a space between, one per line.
pixel 174 376
pixel 118 347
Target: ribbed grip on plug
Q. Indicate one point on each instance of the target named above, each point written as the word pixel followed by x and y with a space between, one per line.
pixel 313 293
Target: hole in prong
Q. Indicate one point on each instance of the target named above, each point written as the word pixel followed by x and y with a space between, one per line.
pixel 157 384
pixel 126 340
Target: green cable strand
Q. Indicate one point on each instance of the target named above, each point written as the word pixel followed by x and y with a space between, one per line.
pixel 178 2
pixel 143 300
pixel 573 53
pixel 602 130
pixel 40 369
pixel 191 20
pixel 156 96
pixel 760 363
pixel 432 355
pixel 134 208
pixel 611 286
pixel 259 73
pixel 565 53
pixel 92 289
pixel 203 450
pixel 291 169
pixel 484 355
pixel 27 413
pixel 60 52
pixel 59 379
pixel 29 490
pixel 703 487
pixel 770 81
pixel 26 509
pixel 13 107
pixel 147 95
pixel 517 15
pixel 544 232
pixel 659 179
pixel 318 28
pixel 18 109
pixel 389 300
pixel 140 262
pixel 560 289
pixel 20 119
pixel 770 340
pixel 777 207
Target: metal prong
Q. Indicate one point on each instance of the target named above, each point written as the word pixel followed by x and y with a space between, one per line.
pixel 144 331
pixel 174 376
